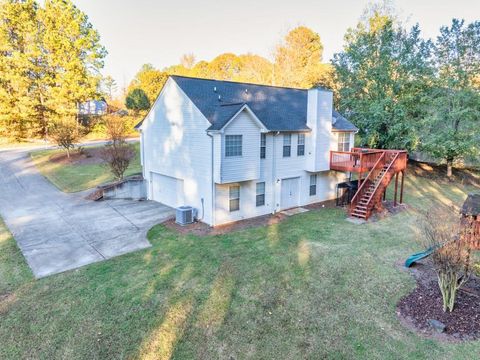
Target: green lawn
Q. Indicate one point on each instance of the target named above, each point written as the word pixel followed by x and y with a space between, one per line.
pixel 78 177
pixel 314 286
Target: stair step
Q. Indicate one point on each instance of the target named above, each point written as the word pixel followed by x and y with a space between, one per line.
pixel 359 215
pixel 359 211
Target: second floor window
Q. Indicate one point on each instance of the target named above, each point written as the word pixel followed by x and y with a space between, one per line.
pixel 233 145
pixel 343 141
pixel 263 146
pixel 287 145
pixel 301 145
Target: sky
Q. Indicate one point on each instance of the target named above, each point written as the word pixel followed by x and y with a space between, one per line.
pixel 136 32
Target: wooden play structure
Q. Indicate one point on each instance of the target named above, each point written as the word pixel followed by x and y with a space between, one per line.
pixel 471 221
pixel 375 170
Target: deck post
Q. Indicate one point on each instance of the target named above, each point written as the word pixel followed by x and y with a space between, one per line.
pixel 401 187
pixel 396 187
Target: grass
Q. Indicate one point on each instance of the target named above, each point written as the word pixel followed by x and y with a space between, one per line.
pixel 313 286
pixel 78 177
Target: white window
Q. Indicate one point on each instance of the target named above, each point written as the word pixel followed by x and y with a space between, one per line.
pixel 287 144
pixel 234 192
pixel 263 146
pixel 301 145
pixel 313 184
pixel 343 141
pixel 233 145
pixel 260 200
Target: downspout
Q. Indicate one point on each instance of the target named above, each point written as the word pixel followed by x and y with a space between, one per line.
pixel 213 180
pixel 274 171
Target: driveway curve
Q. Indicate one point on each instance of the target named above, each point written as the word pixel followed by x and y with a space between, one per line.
pixel 57 231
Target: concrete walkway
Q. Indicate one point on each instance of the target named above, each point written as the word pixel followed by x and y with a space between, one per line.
pixel 57 231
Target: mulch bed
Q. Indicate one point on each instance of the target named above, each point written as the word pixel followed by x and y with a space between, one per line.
pixel 85 157
pixel 425 303
pixel 201 229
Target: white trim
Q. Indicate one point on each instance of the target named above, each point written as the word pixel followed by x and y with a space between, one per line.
pixel 247 108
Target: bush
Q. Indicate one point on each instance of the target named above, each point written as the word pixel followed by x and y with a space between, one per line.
pixel 117 156
pixel 451 257
pixel 66 133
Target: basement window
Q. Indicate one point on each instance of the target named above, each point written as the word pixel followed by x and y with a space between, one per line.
pixel 260 200
pixel 313 184
pixel 234 193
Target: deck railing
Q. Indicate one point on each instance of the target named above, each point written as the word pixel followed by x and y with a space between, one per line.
pixel 361 160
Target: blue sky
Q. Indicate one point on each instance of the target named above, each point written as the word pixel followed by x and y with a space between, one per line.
pixel 159 32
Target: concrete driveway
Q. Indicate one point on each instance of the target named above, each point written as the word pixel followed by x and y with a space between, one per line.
pixel 57 231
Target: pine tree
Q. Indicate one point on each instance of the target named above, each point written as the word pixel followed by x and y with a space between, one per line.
pixel 20 66
pixel 74 56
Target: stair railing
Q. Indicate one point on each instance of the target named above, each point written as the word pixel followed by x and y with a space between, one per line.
pixel 384 181
pixel 366 182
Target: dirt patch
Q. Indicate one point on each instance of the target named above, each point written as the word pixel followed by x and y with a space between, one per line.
pixel 78 157
pixel 6 300
pixel 389 209
pixel 464 176
pixel 330 204
pixel 425 303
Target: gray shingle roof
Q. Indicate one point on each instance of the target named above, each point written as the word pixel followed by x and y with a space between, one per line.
pixel 340 123
pixel 471 206
pixel 278 108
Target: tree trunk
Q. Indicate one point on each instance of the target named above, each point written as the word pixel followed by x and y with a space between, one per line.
pixel 449 168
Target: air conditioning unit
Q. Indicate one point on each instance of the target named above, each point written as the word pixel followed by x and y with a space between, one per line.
pixel 185 215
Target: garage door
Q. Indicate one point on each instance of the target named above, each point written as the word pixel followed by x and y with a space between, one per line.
pixel 290 193
pixel 167 190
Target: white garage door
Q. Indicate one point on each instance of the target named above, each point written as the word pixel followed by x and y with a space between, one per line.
pixel 167 190
pixel 290 193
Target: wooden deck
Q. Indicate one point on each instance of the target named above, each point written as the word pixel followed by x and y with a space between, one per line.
pixel 380 168
pixel 359 160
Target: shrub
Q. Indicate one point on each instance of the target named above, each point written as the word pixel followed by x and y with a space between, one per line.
pixel 117 156
pixel 451 256
pixel 66 133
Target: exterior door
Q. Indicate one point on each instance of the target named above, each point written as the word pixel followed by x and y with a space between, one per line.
pixel 167 190
pixel 290 193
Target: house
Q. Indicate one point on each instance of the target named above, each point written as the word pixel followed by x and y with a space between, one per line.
pixel 235 151
pixel 93 107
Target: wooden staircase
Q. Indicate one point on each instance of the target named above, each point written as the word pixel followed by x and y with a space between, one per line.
pixel 369 194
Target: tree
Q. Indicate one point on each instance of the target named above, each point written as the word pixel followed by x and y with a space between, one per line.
pixel 137 100
pixel 20 69
pixel 150 80
pixel 298 58
pixel 118 153
pixel 187 61
pixel 383 74
pixel 66 132
pixel 450 129
pixel 109 86
pixel 50 61
pixel 74 56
